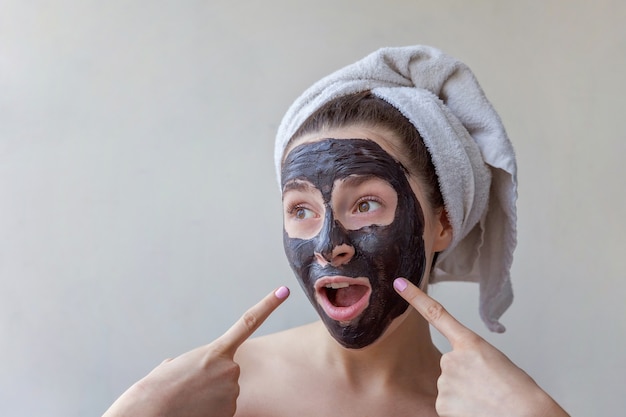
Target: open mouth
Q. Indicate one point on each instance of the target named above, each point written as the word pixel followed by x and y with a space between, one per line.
pixel 342 298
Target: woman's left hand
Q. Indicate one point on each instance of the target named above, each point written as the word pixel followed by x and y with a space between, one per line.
pixel 476 378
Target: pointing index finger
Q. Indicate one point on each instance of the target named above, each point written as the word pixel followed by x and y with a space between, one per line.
pixel 251 320
pixel 434 313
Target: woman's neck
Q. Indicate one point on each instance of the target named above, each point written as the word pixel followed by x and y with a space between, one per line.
pixel 404 353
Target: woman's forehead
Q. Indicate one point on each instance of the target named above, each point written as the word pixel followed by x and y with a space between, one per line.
pixel 304 185
pixel 326 161
pixel 385 138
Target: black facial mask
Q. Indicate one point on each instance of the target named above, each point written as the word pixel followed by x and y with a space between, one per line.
pixel 381 253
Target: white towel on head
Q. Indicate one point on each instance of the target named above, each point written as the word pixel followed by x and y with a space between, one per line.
pixel 472 154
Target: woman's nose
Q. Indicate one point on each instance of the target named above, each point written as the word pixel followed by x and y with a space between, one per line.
pixel 333 245
pixel 339 255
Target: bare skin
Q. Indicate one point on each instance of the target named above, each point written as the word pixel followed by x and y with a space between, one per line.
pixel 307 373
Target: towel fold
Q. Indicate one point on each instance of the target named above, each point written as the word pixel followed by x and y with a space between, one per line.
pixel 472 155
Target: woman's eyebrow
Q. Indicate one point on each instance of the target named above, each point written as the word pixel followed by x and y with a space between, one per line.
pixel 298 185
pixel 356 180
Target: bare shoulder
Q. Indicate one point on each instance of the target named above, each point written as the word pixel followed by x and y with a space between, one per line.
pixel 285 346
pixel 271 367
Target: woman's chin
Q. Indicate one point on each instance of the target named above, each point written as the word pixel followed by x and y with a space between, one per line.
pixel 384 336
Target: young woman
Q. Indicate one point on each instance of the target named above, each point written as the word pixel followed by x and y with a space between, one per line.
pixel 395 172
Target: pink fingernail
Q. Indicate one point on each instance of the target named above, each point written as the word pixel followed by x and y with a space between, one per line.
pixel 400 284
pixel 281 293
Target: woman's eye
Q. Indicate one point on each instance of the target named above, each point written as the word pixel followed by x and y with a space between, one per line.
pixel 302 213
pixel 368 205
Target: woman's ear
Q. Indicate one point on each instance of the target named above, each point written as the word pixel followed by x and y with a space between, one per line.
pixel 442 231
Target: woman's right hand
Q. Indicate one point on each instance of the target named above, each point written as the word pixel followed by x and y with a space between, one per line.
pixel 200 382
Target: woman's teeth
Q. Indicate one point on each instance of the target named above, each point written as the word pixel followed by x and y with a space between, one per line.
pixel 337 285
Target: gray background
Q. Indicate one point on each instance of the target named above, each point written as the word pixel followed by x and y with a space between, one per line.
pixel 139 215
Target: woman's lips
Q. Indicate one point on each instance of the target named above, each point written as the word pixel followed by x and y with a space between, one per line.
pixel 343 313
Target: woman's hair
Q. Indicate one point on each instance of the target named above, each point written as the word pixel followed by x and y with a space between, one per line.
pixel 365 109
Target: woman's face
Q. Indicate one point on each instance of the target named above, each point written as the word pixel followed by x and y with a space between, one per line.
pixel 354 221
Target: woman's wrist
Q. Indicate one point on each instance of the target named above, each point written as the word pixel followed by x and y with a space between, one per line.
pixel 545 406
